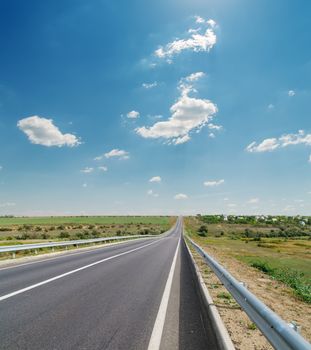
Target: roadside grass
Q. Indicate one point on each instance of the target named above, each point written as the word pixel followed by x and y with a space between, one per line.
pixel 284 259
pixel 292 278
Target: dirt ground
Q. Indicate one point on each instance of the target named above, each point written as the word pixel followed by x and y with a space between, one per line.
pixel 274 294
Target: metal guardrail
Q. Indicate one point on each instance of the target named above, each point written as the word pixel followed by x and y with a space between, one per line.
pixel 20 247
pixel 278 332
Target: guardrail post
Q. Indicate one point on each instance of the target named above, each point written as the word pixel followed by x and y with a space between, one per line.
pixel 36 251
pixel 53 249
pixel 13 255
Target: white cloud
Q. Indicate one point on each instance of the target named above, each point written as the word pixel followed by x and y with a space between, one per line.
pixel 1 167
pixel 155 179
pixel 213 183
pixel 265 146
pixel 149 85
pixel 309 158
pixel 115 153
pixel 199 40
pixel 180 196
pixel 194 76
pixel 212 126
pixel 118 153
pixel 212 23
pixel 253 201
pixel 103 168
pixel 87 170
pixel 284 141
pixel 187 114
pixel 211 135
pixel 133 115
pixel 226 199
pixel 291 93
pixel 181 140
pixel 151 193
pixel 270 106
pixel 84 185
pixel 199 19
pixel 42 131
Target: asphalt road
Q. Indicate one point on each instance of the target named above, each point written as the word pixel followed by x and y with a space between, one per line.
pixel 128 296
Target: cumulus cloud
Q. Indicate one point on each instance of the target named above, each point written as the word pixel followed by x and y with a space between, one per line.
pixel 84 185
pixel 309 158
pixel 42 131
pixel 271 144
pixel 149 85
pixel 212 126
pixel 199 19
pixel 103 168
pixel 270 106
pixel 201 39
pixel 194 76
pixel 1 167
pixel 180 196
pixel 265 146
pixel 133 115
pixel 87 170
pixel 187 114
pixel 291 93
pixel 213 183
pixel 114 153
pixel 155 179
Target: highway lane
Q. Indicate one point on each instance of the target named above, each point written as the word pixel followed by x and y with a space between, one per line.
pixel 111 302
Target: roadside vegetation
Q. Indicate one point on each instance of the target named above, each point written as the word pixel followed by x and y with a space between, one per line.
pixel 278 246
pixel 22 230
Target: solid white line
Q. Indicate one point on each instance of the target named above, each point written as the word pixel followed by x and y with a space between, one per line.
pixel 71 272
pixel 64 254
pixel 156 336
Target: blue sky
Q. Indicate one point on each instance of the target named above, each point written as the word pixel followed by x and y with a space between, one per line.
pixel 179 107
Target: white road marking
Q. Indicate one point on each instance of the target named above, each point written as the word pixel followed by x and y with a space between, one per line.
pixel 71 272
pixel 156 336
pixel 63 254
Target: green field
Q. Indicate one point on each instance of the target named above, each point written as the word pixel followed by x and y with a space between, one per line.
pixel 87 220
pixel 287 259
pixel 23 230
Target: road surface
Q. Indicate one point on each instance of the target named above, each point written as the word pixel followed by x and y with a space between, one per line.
pixel 135 295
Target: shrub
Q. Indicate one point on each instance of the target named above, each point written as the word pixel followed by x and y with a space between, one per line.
pixel 202 231
pixel 64 234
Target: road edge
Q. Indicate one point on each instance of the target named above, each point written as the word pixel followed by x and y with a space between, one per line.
pixel 210 310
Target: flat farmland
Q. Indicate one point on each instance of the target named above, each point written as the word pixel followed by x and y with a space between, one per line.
pixel 87 220
pixel 24 230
